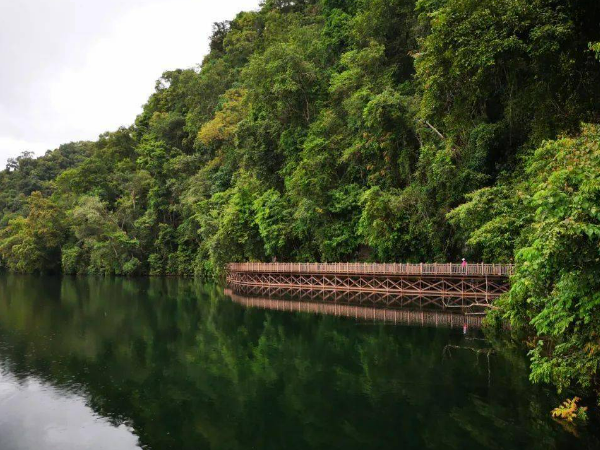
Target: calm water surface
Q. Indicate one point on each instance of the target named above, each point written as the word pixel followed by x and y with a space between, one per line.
pixel 89 363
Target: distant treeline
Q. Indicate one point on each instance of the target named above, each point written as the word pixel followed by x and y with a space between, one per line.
pixel 343 130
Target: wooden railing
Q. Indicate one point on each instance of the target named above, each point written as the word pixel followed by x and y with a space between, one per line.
pixel 472 269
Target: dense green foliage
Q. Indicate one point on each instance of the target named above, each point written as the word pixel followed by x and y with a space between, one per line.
pixel 549 217
pixel 338 130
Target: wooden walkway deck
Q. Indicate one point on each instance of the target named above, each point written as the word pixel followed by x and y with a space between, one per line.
pixel 478 282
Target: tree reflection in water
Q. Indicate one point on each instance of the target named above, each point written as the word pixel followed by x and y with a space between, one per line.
pixel 187 368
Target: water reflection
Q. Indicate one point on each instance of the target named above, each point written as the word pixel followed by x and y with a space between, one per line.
pixel 343 306
pixel 178 365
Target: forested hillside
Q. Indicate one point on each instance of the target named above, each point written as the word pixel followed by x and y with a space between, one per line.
pixel 343 130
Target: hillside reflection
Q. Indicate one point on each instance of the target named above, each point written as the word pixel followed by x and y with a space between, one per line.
pixel 184 367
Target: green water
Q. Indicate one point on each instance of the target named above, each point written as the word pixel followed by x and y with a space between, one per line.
pixel 94 363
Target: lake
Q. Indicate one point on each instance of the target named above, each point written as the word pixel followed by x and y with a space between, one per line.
pixel 103 363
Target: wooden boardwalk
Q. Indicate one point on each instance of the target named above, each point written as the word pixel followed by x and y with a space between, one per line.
pixel 373 299
pixel 480 283
pixel 425 269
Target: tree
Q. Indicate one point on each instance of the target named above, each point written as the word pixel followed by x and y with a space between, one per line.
pixel 556 287
pixel 32 244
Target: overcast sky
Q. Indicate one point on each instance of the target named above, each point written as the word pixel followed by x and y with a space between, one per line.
pixel 72 69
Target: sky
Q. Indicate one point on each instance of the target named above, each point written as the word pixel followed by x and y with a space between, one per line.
pixel 73 69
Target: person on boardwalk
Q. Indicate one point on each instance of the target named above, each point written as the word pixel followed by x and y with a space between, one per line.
pixel 464 265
